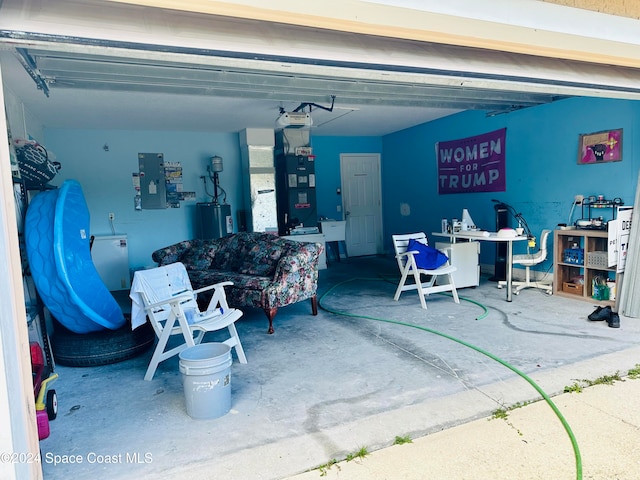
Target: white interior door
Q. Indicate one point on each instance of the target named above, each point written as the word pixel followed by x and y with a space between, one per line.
pixel 361 203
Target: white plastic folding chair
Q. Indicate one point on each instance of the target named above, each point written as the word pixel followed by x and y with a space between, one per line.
pixel 407 264
pixel 165 296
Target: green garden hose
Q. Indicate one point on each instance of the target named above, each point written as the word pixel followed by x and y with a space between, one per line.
pixel 574 443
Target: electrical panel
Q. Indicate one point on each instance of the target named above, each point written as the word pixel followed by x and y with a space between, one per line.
pixel 153 188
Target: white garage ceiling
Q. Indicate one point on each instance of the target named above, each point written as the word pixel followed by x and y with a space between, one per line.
pixel 170 77
pixel 117 92
pixel 142 100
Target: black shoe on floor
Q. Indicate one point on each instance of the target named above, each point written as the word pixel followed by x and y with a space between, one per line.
pixel 600 313
pixel 614 320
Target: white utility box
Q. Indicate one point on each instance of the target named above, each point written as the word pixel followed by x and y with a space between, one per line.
pixel 465 256
pixel 110 254
pixel 334 232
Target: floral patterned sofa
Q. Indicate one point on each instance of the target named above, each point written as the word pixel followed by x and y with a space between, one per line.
pixel 267 271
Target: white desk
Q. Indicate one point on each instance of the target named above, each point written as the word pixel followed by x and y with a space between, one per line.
pixel 465 256
pixel 489 237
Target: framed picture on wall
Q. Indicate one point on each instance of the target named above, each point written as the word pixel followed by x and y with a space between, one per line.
pixel 600 147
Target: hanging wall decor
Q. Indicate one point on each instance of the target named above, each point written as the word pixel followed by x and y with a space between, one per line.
pixel 600 147
pixel 473 164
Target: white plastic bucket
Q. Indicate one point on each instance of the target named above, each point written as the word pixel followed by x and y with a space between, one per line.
pixel 206 378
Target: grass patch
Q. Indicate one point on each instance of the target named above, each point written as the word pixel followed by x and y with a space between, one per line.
pixel 604 380
pixel 634 372
pixel 359 454
pixel 500 414
pixel 573 388
pixel 579 385
pixel 402 440
pixel 503 413
pixel 325 467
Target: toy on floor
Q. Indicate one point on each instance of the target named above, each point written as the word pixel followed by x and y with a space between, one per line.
pixel 46 399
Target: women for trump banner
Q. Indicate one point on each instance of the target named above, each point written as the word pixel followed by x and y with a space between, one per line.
pixel 473 164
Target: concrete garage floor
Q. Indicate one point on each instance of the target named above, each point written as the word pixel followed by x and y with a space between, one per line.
pixel 323 387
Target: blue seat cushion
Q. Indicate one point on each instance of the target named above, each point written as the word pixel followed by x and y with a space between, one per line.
pixel 427 258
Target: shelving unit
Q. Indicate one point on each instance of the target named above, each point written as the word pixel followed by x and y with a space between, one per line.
pixel 596 207
pixel 35 309
pixel 564 269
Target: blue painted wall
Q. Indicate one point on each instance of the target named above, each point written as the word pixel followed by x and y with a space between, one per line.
pixel 106 179
pixel 327 151
pixel 542 171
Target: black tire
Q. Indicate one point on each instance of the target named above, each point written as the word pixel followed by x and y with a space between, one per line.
pixel 100 348
pixel 52 405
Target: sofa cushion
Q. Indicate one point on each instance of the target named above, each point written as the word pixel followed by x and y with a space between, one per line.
pixel 200 258
pixel 249 253
pixel 261 259
pixel 229 255
pixel 205 278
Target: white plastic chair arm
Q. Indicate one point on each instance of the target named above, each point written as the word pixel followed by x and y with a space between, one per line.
pixel 407 253
pixel 215 285
pixel 219 297
pixel 179 298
